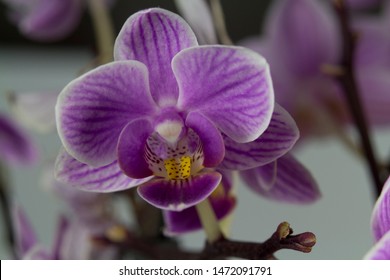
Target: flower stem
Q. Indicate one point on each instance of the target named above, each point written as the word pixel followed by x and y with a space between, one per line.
pixel 219 22
pixel 104 30
pixel 209 221
pixel 348 81
pixel 5 207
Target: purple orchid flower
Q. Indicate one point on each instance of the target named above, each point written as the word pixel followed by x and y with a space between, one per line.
pixel 16 147
pixel 72 241
pixel 166 109
pixel 47 20
pixel 380 224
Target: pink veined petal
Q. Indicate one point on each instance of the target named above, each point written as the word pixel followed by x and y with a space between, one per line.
pixel 285 180
pixel 131 149
pixel 198 15
pixel 154 37
pixel 177 195
pixel 50 20
pixel 231 86
pixel 108 178
pixel 380 219
pixel 211 138
pixel 304 35
pixel 93 109
pixel 35 109
pixel 16 147
pixel 381 250
pixel 280 136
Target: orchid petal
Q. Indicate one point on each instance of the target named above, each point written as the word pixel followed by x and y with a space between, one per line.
pixel 380 220
pixel 188 219
pixel 381 250
pixel 93 109
pixel 231 86
pixel 25 235
pixel 304 35
pixel 131 149
pixel 177 195
pixel 107 178
pixel 62 227
pixel 51 20
pixel 200 21
pixel 280 136
pixel 35 109
pixel 38 252
pixel 211 138
pixel 286 180
pixel 16 147
pixel 154 37
pixel 374 84
pixel 373 46
pixel 362 4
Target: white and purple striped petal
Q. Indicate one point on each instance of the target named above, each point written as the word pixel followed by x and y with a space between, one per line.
pixel 231 86
pixel 285 180
pixel 381 250
pixel 154 37
pixel 16 147
pixel 177 195
pixel 380 220
pixel 107 178
pixel 93 109
pixel 280 136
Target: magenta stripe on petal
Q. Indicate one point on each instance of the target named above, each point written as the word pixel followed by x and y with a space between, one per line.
pixel 154 37
pixel 177 195
pixel 107 178
pixel 280 136
pixel 92 110
pixel 380 220
pixel 231 86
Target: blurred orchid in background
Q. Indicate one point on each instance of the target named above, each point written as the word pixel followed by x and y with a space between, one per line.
pixel 300 41
pixel 16 146
pixel 47 20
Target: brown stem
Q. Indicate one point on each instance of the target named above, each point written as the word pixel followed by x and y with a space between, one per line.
pixel 223 248
pixel 348 82
pixel 5 209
